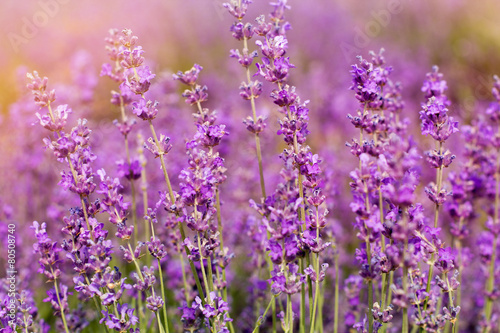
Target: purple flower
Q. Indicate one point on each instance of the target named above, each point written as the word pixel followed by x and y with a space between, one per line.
pixel 145 110
pixel 237 8
pixel 242 31
pixel 58 122
pixel 189 77
pixel 252 89
pixel 245 59
pixel 162 148
pixel 38 88
pixel 123 322
pixel 255 127
pixel 154 303
pixel 132 58
pixel 277 71
pixel 435 86
pixel 210 136
pixel 139 83
pixel 446 256
pixel 197 95
pixel 130 171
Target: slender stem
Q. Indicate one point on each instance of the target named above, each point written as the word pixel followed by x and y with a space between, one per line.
pixel 288 316
pixel 310 287
pixel 261 319
pixel 139 273
pixel 191 264
pixel 162 161
pixel 144 185
pixel 459 289
pixel 159 323
pixel 389 292
pixel 172 199
pixel 302 323
pixel 439 176
pixel 490 284
pixel 369 259
pixel 405 277
pixel 75 178
pixel 319 321
pixel 336 304
pixel 184 278
pixel 132 186
pixel 210 274
pixel 202 265
pixel 261 170
pixel 221 239
pixel 140 309
pixel 381 213
pixel 63 317
pixel 274 319
pixel 316 296
pixel 257 138
pixel 165 317
pixel 134 260
pixel 25 322
pixel 290 312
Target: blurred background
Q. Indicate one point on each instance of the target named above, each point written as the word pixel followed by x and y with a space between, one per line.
pixel 458 35
pixel 64 40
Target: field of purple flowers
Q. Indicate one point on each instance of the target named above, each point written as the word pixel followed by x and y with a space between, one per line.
pixel 250 167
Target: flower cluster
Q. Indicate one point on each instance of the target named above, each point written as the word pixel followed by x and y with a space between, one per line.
pixel 199 204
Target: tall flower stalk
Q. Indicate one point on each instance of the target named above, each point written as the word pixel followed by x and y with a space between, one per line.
pixel 200 189
pixel 488 240
pixel 251 89
pixel 301 190
pixel 138 79
pixel 440 126
pixel 129 169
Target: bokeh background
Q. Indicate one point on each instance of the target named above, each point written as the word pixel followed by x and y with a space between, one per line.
pixel 64 40
pixel 458 35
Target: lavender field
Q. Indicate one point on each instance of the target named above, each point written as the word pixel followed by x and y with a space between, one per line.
pixel 203 166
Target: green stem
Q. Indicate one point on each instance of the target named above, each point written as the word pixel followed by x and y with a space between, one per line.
pixel 63 317
pixel 202 265
pixel 405 275
pixel 302 323
pixel 184 279
pixel 490 284
pixel 459 289
pixel 389 292
pixel 316 295
pixel 336 302
pixel 261 319
pixel 439 177
pixel 162 161
pixel 144 185
pixel 221 239
pixel 191 264
pixel 140 310
pixel 165 317
pixel 309 285
pixel 319 322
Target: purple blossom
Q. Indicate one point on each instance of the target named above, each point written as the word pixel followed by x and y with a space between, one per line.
pixel 123 322
pixel 189 77
pixel 145 110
